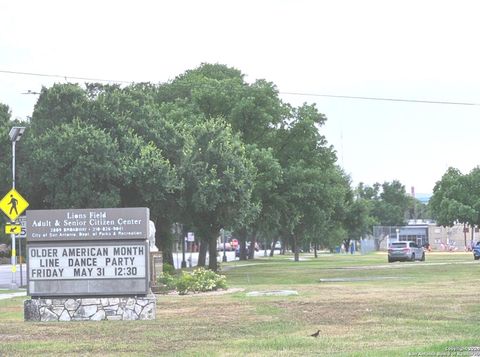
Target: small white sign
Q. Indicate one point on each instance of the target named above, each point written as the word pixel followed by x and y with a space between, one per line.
pixel 23 222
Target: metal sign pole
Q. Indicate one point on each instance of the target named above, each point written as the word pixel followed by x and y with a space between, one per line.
pixel 21 262
pixel 14 253
pixel 13 262
pixel 11 200
pixel 13 164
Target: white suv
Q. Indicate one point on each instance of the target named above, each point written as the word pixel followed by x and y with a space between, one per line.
pixel 405 251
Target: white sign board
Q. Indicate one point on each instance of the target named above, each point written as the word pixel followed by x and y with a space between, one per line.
pixel 88 224
pixel 91 251
pixel 80 262
pixel 87 269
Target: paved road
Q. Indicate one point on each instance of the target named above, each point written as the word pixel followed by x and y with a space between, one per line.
pixel 11 295
pixel 193 257
pixel 7 277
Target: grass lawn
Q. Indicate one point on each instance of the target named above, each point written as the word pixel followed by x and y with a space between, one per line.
pixel 362 306
pixel 11 291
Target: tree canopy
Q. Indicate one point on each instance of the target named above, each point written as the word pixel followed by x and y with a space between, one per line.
pixel 456 198
pixel 206 150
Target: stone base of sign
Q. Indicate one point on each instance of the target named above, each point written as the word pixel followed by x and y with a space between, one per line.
pixel 91 308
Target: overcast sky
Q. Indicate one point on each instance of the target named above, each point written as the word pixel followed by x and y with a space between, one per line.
pixel 419 50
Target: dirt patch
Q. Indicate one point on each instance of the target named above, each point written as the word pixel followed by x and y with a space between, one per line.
pixel 369 278
pixel 206 293
pixel 273 293
pixel 399 265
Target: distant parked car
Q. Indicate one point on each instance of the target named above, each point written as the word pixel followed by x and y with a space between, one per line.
pixel 228 247
pixel 476 251
pixel 405 251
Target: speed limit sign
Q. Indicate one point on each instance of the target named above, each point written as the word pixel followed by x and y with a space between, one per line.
pixel 23 222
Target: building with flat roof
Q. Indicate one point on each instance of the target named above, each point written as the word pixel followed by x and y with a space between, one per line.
pixel 439 238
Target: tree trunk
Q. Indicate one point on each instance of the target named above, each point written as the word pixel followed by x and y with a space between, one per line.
pixel 212 252
pixel 251 252
pixel 465 234
pixel 472 237
pixel 202 254
pixel 242 242
pixel 164 240
pixel 315 249
pixel 295 248
pixel 272 247
pixel 243 249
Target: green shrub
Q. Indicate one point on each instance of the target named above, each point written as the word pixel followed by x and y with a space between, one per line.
pixel 184 283
pixel 167 280
pixel 207 280
pixel 199 280
pixel 168 268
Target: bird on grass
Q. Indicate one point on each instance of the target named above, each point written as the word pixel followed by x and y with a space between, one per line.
pixel 315 334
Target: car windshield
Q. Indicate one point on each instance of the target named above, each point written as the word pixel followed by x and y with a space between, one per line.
pixel 399 245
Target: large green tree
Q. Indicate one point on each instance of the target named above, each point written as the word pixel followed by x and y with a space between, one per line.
pixel 449 200
pixel 310 178
pixel 6 158
pixel 218 182
pixel 6 148
pixel 388 203
pixel 456 199
pixel 102 146
pixel 207 150
pixel 392 206
pixel 84 157
pixel 215 91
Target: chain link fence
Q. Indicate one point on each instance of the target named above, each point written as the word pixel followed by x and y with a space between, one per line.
pixel 381 234
pixel 367 245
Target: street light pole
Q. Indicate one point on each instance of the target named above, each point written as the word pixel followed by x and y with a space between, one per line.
pixel 15 135
pixel 13 164
pixel 14 253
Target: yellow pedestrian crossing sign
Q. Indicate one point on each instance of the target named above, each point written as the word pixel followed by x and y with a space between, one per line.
pixel 13 228
pixel 13 204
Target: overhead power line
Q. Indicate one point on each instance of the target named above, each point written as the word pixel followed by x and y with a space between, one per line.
pixel 404 100
pixel 66 77
pixel 380 98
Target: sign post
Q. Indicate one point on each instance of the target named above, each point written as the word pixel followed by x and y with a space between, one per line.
pixel 15 135
pixel 22 220
pixel 13 205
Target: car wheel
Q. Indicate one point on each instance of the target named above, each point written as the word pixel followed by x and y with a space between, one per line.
pixel 413 257
pixel 423 257
pixel 475 257
pixel 390 260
